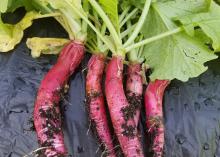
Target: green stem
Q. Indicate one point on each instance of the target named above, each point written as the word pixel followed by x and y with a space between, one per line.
pixel 90 47
pixel 140 23
pixel 127 31
pixel 40 6
pixel 86 9
pixel 94 20
pixel 154 38
pixel 99 41
pixel 97 25
pixel 107 21
pixel 84 17
pixel 132 55
pixel 71 22
pixel 141 49
pixel 64 22
pixel 124 13
pixel 131 14
pixel 103 29
pixel 47 15
pixel 45 9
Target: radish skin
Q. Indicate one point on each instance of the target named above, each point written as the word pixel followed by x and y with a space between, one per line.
pixel 125 129
pixel 134 90
pixel 96 104
pixel 154 114
pixel 47 117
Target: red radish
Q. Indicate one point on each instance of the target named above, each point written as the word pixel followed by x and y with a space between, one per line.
pixel 47 118
pixel 125 128
pixel 154 114
pixel 96 104
pixel 134 90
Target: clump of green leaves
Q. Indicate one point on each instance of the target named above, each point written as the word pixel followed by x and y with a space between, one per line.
pixel 170 36
pixel 177 56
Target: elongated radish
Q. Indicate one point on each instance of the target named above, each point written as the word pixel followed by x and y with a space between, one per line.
pixel 96 104
pixel 134 91
pixel 125 128
pixel 154 114
pixel 47 118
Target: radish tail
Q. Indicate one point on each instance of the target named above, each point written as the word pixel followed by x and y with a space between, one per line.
pixel 134 90
pixel 125 127
pixel 96 104
pixel 154 114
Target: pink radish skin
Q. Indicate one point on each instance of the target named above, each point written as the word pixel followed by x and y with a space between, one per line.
pixel 134 89
pixel 154 114
pixel 125 130
pixel 47 118
pixel 96 104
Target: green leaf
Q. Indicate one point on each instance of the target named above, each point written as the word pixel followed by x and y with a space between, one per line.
pixel 209 22
pixel 12 5
pixel 3 5
pixel 199 34
pixel 111 8
pixel 11 35
pixel 40 46
pixel 172 9
pixel 178 56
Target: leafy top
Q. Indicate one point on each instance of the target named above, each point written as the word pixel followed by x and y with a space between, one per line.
pixel 177 56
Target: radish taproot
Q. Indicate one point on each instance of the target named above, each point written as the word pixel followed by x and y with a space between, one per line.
pixel 96 103
pixel 125 127
pixel 115 42
pixel 134 90
pixel 154 114
pixel 47 117
pixel 134 82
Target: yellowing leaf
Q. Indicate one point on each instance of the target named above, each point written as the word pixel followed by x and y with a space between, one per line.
pixel 40 46
pixel 11 35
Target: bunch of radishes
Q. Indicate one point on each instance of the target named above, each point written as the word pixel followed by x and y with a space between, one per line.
pixel 118 33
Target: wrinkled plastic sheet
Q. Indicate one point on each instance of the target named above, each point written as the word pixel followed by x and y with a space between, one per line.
pixel 191 110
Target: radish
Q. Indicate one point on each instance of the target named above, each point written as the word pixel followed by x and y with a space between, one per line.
pixel 154 114
pixel 125 128
pixel 94 92
pixel 134 91
pixel 134 83
pixel 95 100
pixel 47 118
pixel 124 125
pixel 195 55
